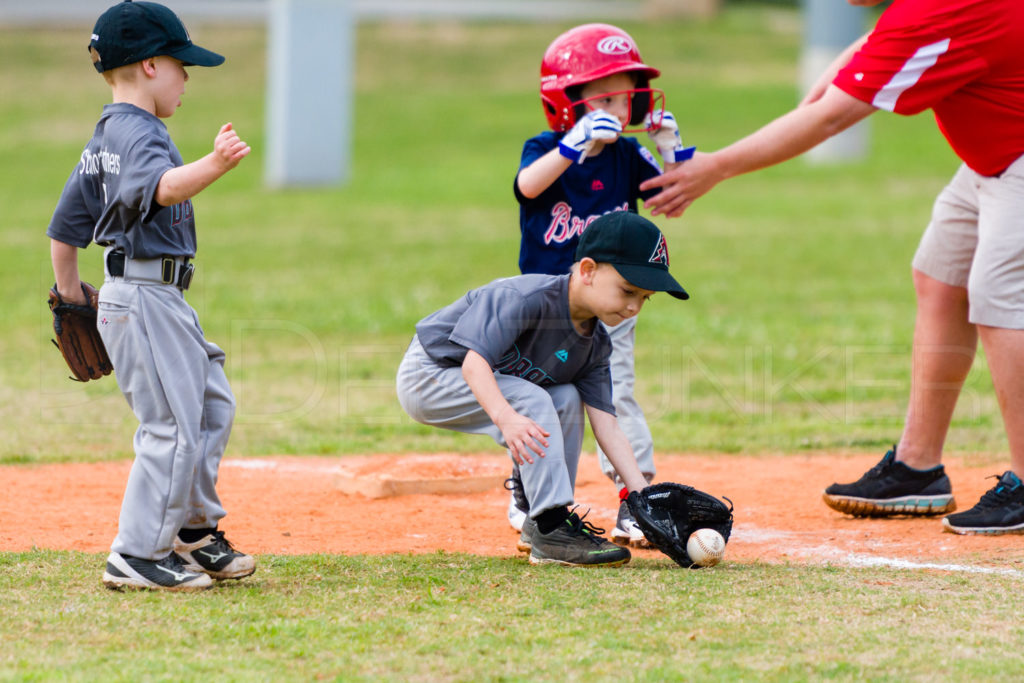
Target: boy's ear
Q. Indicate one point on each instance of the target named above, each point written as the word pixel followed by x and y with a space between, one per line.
pixel 148 66
pixel 588 267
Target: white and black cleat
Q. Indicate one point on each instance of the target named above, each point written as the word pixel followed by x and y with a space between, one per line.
pixel 169 574
pixel 213 555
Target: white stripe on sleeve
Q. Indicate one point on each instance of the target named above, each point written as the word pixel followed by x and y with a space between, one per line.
pixel 909 74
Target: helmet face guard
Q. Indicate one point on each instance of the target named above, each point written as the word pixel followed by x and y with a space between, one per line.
pixel 642 101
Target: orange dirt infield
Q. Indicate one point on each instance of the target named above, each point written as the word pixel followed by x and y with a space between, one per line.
pixel 298 505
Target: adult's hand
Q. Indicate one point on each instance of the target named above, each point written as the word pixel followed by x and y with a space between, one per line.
pixel 682 185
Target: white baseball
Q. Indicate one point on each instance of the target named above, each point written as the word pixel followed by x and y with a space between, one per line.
pixel 705 547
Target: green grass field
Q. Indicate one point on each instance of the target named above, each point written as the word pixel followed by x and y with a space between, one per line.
pixel 797 338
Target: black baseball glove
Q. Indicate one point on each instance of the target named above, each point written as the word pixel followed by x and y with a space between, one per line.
pixel 78 340
pixel 668 513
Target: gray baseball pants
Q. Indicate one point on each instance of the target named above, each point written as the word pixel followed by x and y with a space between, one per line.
pixel 439 396
pixel 630 414
pixel 174 381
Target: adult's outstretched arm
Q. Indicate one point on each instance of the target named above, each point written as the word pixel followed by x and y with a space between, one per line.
pixel 784 138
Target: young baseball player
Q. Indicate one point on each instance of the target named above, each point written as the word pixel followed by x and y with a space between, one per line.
pixel 594 86
pixel 522 359
pixel 130 193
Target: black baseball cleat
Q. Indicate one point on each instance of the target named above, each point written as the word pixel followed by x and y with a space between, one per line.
pixel 169 574
pixel 576 543
pixel 214 555
pixel 1000 511
pixel 891 488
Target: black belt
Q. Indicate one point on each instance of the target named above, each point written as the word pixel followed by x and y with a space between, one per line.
pixel 180 279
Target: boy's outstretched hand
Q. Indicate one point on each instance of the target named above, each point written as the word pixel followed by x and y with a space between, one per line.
pixel 228 148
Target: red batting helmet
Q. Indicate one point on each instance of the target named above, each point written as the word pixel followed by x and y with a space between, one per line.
pixel 587 53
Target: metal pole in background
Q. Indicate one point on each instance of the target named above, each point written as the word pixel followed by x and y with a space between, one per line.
pixel 829 28
pixel 310 46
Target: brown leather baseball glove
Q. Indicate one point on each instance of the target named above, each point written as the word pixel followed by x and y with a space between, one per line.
pixel 78 340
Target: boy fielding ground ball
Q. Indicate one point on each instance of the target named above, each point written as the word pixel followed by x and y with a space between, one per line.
pixel 524 359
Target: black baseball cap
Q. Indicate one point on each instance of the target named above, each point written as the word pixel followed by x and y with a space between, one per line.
pixel 635 246
pixel 132 31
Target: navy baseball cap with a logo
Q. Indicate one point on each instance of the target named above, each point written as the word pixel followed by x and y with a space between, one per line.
pixel 130 32
pixel 635 246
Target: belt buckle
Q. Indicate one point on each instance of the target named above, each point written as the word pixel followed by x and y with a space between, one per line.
pixel 115 263
pixel 185 275
pixel 167 270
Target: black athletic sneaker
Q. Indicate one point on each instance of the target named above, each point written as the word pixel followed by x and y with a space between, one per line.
pixel 626 531
pixel 169 574
pixel 214 555
pixel 525 543
pixel 892 488
pixel 1000 510
pixel 518 506
pixel 576 543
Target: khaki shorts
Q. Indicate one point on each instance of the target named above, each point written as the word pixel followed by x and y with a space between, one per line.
pixel 976 240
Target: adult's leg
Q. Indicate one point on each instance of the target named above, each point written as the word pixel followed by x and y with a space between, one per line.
pixel 997 297
pixel 945 343
pixel 910 479
pixel 996 292
pixel 1004 350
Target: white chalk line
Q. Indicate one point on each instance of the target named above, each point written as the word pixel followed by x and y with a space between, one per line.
pixel 869 561
pixel 829 555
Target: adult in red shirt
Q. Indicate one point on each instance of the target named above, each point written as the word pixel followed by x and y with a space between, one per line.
pixel 961 59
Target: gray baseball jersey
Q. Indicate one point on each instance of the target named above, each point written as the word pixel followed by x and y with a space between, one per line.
pixel 110 196
pixel 522 327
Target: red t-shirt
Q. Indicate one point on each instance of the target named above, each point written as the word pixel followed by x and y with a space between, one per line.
pixel 964 59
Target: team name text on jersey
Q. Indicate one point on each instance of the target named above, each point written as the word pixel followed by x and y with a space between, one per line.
pixel 564 226
pixel 91 163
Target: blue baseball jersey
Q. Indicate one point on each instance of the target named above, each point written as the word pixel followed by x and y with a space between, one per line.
pixel 522 327
pixel 552 222
pixel 110 197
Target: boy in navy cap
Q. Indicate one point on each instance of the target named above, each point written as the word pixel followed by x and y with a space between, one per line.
pixel 522 359
pixel 131 193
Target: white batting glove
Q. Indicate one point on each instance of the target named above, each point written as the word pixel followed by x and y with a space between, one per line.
pixel 667 140
pixel 595 126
